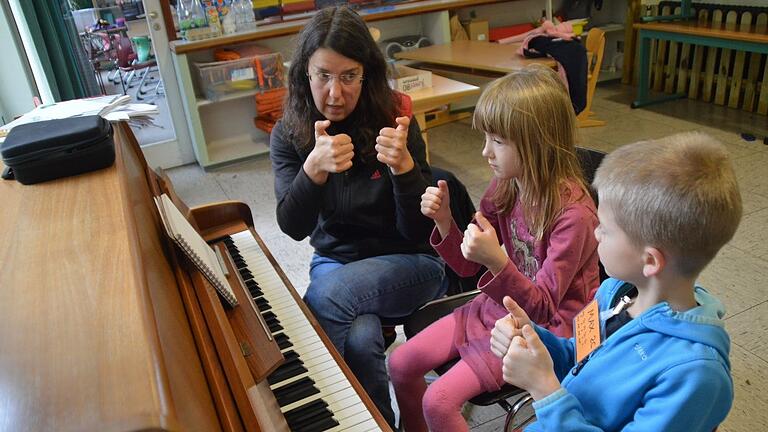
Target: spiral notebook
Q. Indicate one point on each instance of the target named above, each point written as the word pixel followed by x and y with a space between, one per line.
pixel 195 247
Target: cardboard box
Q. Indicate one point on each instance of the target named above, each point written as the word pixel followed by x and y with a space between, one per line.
pixel 406 79
pixel 477 30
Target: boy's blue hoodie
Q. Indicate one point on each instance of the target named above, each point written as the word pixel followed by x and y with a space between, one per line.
pixel 663 371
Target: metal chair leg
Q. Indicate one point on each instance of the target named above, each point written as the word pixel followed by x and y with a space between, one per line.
pixel 512 412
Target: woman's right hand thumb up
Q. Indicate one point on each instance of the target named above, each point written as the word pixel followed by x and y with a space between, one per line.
pixel 331 154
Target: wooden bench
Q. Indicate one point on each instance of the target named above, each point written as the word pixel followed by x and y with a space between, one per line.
pixel 726 37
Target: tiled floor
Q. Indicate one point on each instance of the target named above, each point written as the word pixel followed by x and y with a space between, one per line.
pixel 739 275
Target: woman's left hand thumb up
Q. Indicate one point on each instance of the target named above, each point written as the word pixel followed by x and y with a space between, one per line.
pixel 392 147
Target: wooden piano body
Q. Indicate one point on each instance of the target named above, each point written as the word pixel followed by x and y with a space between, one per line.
pixel 107 326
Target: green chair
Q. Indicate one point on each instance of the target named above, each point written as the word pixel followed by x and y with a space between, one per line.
pixel 143 47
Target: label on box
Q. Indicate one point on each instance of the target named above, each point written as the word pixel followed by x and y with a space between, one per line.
pixel 242 74
pixel 411 83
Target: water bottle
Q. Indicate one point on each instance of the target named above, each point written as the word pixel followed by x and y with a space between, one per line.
pixel 249 20
pixel 190 15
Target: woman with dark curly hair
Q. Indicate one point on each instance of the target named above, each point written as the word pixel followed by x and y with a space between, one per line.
pixel 350 169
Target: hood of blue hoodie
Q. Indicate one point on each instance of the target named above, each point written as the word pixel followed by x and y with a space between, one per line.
pixel 703 324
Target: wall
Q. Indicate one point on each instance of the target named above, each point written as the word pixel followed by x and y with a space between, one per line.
pixel 514 12
pixel 16 85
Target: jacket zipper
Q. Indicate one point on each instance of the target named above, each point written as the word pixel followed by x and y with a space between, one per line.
pixel 344 194
pixel 583 362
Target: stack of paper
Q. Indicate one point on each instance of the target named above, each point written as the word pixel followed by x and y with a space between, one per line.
pixel 111 107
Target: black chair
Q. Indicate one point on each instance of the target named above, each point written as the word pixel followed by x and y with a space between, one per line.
pixel 432 311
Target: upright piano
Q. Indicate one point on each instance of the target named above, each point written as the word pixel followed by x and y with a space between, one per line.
pixel 106 325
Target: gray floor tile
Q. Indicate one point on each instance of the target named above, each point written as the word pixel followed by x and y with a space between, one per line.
pixel 753 202
pixel 195 186
pixel 750 379
pixel 752 235
pixel 748 330
pixel 737 278
pixel 750 172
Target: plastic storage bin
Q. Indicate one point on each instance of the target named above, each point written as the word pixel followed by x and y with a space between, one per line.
pixel 261 72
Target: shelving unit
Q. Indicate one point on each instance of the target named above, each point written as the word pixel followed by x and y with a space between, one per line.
pixel 610 19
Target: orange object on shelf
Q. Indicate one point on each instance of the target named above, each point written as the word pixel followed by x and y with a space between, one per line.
pixel 223 54
pixel 269 105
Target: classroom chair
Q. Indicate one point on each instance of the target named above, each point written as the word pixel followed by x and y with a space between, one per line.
pixel 595 44
pixel 129 63
pixel 589 160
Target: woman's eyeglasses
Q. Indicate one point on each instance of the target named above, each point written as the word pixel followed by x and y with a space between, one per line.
pixel 346 79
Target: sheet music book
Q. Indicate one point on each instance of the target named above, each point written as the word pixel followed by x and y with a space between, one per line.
pixel 193 245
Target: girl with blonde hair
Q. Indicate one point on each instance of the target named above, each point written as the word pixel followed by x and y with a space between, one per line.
pixel 533 234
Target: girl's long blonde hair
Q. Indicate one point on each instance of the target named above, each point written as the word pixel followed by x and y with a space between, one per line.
pixel 532 108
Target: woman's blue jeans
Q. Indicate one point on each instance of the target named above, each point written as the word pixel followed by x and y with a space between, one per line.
pixel 349 301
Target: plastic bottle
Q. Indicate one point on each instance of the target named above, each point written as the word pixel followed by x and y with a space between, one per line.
pixel 190 15
pixel 249 19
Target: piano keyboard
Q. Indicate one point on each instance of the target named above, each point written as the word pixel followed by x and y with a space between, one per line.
pixel 312 391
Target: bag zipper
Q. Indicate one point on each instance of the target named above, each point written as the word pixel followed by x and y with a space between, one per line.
pixel 31 157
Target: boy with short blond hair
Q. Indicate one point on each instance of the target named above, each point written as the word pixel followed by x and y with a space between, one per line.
pixel 661 359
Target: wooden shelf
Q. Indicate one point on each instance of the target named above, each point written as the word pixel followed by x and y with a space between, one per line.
pixel 611 27
pixel 230 150
pixel 201 102
pixel 270 30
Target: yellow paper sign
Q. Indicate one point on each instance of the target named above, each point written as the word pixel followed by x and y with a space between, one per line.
pixel 586 329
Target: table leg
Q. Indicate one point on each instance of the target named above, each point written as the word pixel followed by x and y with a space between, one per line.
pixel 421 119
pixel 643 84
pixel 643 78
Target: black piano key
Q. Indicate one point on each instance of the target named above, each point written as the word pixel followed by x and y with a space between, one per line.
pixel 274 326
pixel 282 341
pixel 298 414
pixel 262 304
pixel 286 371
pixel 318 425
pixel 314 416
pixel 295 391
pixel 251 284
pixel 316 419
pixel 290 355
pixel 245 273
pixel 255 292
pixel 307 414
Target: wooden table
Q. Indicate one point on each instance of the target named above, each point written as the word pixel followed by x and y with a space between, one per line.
pixel 443 92
pixel 475 56
pixel 690 32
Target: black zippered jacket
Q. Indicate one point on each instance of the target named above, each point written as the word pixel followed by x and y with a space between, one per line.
pixel 363 212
